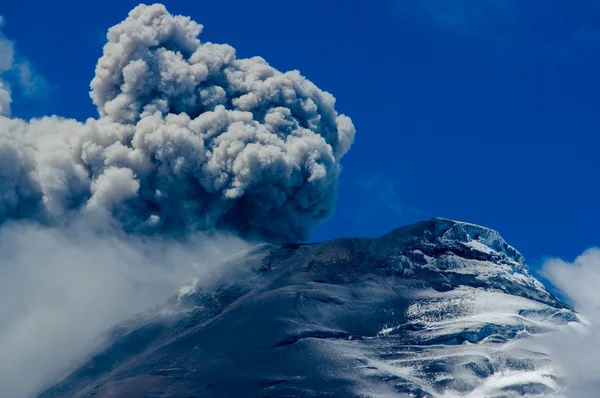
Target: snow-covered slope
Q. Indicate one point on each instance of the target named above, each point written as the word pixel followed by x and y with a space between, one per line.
pixel 435 309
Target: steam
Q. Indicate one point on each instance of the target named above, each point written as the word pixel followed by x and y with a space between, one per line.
pixel 189 138
pixel 60 289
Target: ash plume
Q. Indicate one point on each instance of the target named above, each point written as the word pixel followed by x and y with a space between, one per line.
pixel 192 149
pixel 188 138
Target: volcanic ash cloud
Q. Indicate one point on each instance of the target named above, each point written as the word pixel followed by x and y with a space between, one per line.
pixel 188 138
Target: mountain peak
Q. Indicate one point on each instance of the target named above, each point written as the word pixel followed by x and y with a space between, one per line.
pixel 475 236
pixel 437 308
pixel 446 232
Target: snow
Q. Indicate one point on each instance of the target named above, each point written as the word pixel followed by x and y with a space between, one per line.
pixel 477 245
pixel 467 233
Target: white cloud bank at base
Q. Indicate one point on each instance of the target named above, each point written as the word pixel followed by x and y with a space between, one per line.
pixel 61 289
pixel 576 349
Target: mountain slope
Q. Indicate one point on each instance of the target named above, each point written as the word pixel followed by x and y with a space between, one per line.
pixel 437 308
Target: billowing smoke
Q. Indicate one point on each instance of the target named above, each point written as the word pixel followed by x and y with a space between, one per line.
pixel 188 138
pixel 102 218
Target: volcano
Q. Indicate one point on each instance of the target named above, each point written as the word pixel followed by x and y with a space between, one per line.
pixel 439 308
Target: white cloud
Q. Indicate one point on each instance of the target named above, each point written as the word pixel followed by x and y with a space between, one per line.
pixel 577 348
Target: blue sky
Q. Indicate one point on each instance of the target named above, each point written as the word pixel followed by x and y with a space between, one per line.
pixel 482 112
